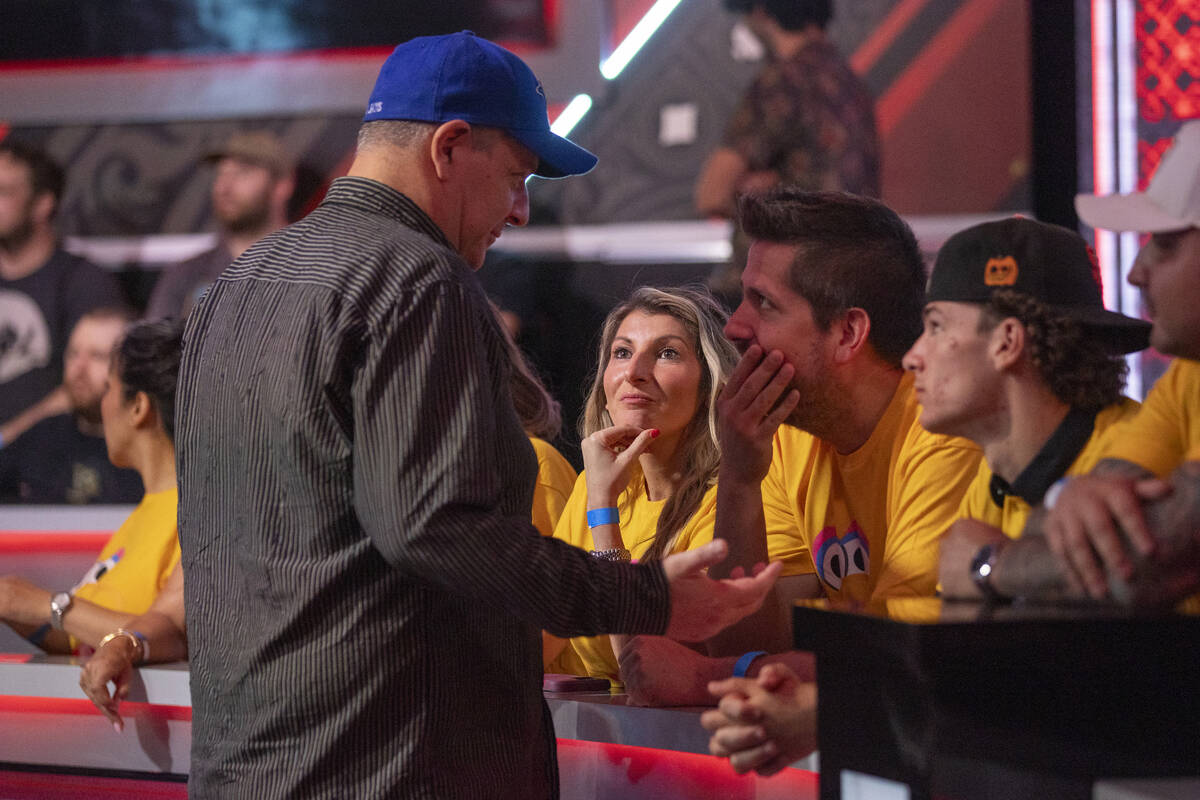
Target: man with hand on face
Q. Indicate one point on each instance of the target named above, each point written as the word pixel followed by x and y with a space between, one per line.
pixel 364 589
pixel 1129 531
pixel 819 433
pixel 255 178
pixel 63 458
pixel 1020 356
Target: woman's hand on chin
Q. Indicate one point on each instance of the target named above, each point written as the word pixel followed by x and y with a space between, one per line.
pixel 608 457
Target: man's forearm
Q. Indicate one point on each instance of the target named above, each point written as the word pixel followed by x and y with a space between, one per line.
pixel 741 523
pixel 1028 569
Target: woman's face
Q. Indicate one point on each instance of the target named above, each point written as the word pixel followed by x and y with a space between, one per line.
pixel 118 426
pixel 652 379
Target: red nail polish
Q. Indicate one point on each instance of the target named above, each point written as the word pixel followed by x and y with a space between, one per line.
pixel 654 433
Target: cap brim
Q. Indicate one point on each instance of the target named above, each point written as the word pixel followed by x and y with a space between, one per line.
pixel 1119 334
pixel 557 157
pixel 1126 212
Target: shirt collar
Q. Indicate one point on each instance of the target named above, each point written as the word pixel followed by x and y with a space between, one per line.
pixel 379 198
pixel 1051 462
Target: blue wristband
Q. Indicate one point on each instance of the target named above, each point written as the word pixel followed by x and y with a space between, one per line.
pixel 602 516
pixel 743 663
pixel 37 637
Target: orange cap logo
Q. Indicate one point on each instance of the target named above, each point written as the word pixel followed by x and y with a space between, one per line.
pixel 1000 271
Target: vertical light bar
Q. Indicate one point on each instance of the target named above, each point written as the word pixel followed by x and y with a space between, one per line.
pixel 570 116
pixel 1125 61
pixel 612 66
pixel 1103 140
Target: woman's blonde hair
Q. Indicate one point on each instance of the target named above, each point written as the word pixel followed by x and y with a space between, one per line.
pixel 704 320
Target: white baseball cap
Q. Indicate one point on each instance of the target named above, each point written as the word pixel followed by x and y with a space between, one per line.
pixel 1170 203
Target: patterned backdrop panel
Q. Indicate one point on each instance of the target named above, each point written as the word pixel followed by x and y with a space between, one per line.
pixel 132 180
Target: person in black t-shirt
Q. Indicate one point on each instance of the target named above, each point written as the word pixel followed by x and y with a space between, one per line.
pixel 63 458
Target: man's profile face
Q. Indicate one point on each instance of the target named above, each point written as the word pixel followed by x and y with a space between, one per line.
pixel 16 202
pixel 775 317
pixel 954 380
pixel 1167 270
pixel 497 196
pixel 86 362
pixel 241 195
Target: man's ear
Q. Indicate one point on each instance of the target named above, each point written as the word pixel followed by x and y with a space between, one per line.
pixel 852 329
pixel 282 192
pixel 42 209
pixel 1008 343
pixel 446 140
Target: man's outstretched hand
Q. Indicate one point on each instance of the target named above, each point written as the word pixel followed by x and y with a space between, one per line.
pixel 700 606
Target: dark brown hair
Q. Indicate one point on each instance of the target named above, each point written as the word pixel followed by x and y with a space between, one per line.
pixel 1077 367
pixel 853 252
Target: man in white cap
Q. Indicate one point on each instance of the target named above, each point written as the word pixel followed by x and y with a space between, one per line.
pixel 1130 529
pixel 364 590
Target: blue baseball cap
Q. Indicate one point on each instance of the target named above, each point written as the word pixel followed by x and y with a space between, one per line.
pixel 462 76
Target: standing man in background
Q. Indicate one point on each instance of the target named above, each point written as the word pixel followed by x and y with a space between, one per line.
pixel 807 121
pixel 254 180
pixel 44 290
pixel 365 591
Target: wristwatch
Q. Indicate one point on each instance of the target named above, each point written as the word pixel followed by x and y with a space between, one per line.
pixel 981 570
pixel 59 605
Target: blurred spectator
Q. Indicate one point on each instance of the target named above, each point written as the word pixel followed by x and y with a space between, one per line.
pixel 255 178
pixel 43 290
pixel 63 459
pixel 134 565
pixel 806 121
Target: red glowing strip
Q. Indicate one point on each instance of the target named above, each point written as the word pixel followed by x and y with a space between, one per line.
pixel 885 35
pixel 59 705
pixel 53 541
pixel 41 785
pixel 706 776
pixel 900 97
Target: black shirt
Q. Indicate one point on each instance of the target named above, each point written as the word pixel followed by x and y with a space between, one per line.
pixel 364 586
pixel 55 462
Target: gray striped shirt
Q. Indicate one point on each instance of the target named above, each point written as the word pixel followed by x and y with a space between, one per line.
pixel 364 587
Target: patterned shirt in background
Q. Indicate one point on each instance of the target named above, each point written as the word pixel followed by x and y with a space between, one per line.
pixel 810 120
pixel 364 587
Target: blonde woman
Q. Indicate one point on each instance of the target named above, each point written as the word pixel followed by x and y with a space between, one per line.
pixel 650 451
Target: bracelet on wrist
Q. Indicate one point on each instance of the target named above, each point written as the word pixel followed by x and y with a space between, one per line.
pixel 611 554
pixel 1053 493
pixel 603 516
pixel 141 646
pixel 743 664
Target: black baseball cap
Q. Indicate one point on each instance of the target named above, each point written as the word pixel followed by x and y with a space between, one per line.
pixel 1049 263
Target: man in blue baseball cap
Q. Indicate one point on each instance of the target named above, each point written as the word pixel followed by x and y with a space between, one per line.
pixel 365 589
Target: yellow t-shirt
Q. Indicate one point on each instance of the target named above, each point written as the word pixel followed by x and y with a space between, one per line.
pixel 869 521
pixel 555 477
pixel 977 504
pixel 1167 430
pixel 1165 433
pixel 639 519
pixel 555 480
pixel 134 564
